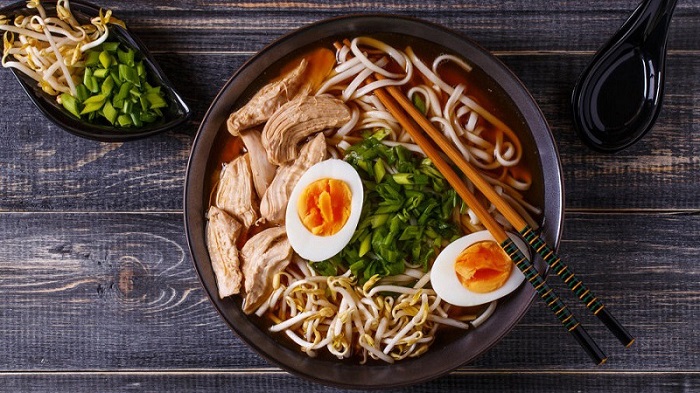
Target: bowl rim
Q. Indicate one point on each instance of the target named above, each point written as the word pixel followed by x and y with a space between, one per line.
pixel 98 132
pixel 349 374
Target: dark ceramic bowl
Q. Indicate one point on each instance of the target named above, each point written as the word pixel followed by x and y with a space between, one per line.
pixel 450 349
pixel 175 114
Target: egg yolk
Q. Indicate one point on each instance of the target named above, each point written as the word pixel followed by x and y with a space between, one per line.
pixel 483 267
pixel 324 206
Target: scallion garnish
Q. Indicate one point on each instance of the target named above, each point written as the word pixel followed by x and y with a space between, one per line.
pixel 406 216
pixel 115 88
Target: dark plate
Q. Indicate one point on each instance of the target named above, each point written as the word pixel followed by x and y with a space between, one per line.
pixel 450 350
pixel 176 114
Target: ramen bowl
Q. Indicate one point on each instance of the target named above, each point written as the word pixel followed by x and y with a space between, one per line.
pixel 450 350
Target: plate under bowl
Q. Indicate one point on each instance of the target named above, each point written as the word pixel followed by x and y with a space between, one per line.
pixel 447 353
pixel 176 114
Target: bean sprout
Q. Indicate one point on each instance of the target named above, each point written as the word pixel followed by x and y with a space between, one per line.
pixel 336 314
pixel 50 49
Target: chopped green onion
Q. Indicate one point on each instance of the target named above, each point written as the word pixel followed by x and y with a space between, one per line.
pixel 129 74
pixel 92 59
pixel 149 117
pixel 115 88
pixel 110 46
pixel 93 104
pixel 115 75
pixel 70 104
pixel 141 70
pixel 90 81
pixel 109 112
pixel 95 99
pixel 101 73
pixel 155 90
pixel 379 170
pixel 405 219
pixel 136 119
pixel 82 92
pixel 124 120
pixel 107 86
pixel 144 103
pixel 126 57
pixel 105 59
pixel 379 220
pixel 403 178
pixel 126 108
pixel 419 103
pixel 156 100
pixel 123 91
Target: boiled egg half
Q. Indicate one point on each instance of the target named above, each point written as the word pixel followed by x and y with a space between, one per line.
pixel 324 209
pixel 474 270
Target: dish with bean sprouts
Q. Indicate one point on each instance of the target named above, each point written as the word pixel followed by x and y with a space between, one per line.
pixel 91 74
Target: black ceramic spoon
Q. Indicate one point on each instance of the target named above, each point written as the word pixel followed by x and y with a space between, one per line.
pixel 618 97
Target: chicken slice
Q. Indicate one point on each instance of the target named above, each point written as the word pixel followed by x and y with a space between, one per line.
pixel 297 119
pixel 264 255
pixel 263 171
pixel 222 233
pixel 235 194
pixel 274 203
pixel 267 100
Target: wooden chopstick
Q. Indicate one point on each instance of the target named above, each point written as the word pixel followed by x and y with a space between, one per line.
pixel 529 234
pixel 543 289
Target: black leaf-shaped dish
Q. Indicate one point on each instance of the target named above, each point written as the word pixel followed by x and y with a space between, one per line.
pixel 174 115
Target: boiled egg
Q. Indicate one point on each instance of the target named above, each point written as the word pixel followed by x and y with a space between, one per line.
pixel 324 209
pixel 474 270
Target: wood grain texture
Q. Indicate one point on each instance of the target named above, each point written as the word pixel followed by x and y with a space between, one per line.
pixel 544 382
pixel 119 291
pixel 509 25
pixel 97 287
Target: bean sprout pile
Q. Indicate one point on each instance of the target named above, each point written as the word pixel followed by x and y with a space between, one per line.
pixel 49 49
pixel 333 312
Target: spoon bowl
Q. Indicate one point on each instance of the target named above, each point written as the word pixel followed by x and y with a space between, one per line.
pixel 618 97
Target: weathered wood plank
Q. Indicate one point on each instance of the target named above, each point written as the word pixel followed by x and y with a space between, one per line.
pixel 511 25
pixel 98 293
pixel 111 291
pixel 497 30
pixel 43 168
pixel 477 381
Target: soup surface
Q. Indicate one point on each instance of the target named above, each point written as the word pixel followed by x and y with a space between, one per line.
pixel 372 300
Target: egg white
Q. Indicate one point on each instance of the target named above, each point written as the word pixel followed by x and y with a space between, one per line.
pixel 318 248
pixel 447 285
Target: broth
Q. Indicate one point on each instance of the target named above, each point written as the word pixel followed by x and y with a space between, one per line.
pixel 480 87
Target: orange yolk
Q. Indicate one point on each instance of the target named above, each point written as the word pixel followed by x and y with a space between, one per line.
pixel 324 206
pixel 483 267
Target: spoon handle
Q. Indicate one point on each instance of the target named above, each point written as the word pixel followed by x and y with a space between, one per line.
pixel 553 302
pixel 650 14
pixel 577 286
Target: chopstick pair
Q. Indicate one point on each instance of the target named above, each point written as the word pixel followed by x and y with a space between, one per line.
pixel 547 294
pixel 528 234
pixel 395 106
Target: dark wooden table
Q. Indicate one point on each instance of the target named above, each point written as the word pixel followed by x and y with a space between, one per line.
pixel 98 292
